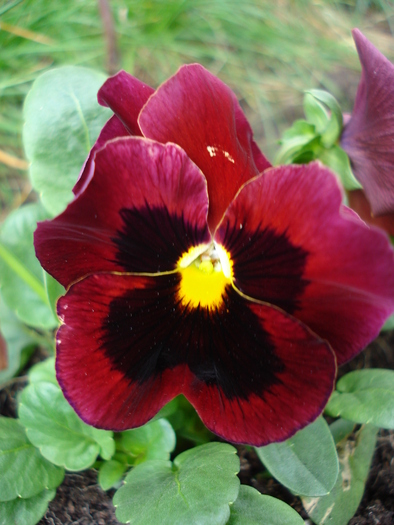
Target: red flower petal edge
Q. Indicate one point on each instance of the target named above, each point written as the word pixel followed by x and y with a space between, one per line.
pixel 328 269
pixel 200 113
pixel 155 211
pixel 368 137
pixel 254 374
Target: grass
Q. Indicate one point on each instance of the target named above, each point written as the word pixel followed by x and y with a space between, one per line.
pixel 268 52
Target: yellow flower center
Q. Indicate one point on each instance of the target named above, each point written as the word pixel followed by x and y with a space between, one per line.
pixel 205 271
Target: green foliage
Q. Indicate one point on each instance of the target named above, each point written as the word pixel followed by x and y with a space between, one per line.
pixel 252 508
pixel 53 426
pixel 307 463
pixel 110 473
pixel 21 275
pixel 19 343
pixel 43 371
pixel 197 487
pixel 155 440
pixel 24 472
pixel 62 121
pixel 355 453
pixel 29 511
pixel 365 396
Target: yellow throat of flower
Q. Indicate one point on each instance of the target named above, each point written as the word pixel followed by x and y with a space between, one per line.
pixel 205 271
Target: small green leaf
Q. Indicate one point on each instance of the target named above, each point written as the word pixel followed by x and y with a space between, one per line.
pixel 20 344
pixel 337 160
pixel 62 121
pixel 44 371
pixel 365 396
pixel 110 473
pixel 54 427
pixel 28 511
pixel 315 113
pixel 333 130
pixel 355 457
pixel 197 488
pixel 54 291
pixel 24 472
pixel 21 277
pixel 294 140
pixel 252 508
pixel 155 440
pixel 307 463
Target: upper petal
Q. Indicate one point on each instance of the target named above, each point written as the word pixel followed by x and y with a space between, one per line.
pixel 368 137
pixel 145 206
pixel 292 245
pixel 200 113
pixel 129 344
pixel 125 95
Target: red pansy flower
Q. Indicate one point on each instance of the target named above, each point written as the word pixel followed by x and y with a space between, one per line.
pixel 368 136
pixel 188 272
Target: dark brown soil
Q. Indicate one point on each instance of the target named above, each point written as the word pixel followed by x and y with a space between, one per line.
pixel 80 500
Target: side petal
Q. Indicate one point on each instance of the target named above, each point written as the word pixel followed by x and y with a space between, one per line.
pixel 292 245
pixel 113 129
pixel 128 345
pixel 145 206
pixel 359 203
pixel 368 137
pixel 125 95
pixel 200 113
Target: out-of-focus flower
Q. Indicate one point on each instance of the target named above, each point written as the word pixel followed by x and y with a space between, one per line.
pixel 368 136
pixel 188 271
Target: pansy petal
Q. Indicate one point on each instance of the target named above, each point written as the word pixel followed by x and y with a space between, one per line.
pixel 144 207
pixel 292 245
pixel 129 344
pixel 125 95
pixel 200 113
pixel 368 137
pixel 111 130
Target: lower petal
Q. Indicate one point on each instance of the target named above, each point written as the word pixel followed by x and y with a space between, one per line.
pixel 129 344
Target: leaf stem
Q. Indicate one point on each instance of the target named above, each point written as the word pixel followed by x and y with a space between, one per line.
pixel 31 280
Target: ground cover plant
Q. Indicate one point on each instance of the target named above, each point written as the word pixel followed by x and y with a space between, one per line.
pixel 197 284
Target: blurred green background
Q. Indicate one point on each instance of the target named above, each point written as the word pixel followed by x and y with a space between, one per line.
pixel 268 51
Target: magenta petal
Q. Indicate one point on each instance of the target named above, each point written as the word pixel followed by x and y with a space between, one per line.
pixel 125 95
pixel 145 206
pixel 368 137
pixel 200 113
pixel 111 130
pixel 294 246
pixel 131 343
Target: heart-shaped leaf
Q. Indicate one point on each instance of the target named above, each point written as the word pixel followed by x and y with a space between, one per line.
pixel 21 511
pixel 62 122
pixel 252 508
pixel 24 472
pixel 307 463
pixel 197 488
pixel 54 427
pixel 110 473
pixel 43 372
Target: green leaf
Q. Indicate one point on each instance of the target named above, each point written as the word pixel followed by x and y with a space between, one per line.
pixel 44 371
pixel 336 159
pixel 24 472
pixel 62 121
pixel 54 291
pixel 355 457
pixel 20 344
pixel 197 488
pixel 155 440
pixel 315 113
pixel 333 130
pixel 54 427
pixel 25 511
pixel 307 463
pixel 21 277
pixel 294 141
pixel 110 473
pixel 252 508
pixel 365 396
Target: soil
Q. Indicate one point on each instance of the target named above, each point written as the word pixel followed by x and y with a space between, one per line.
pixel 81 501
